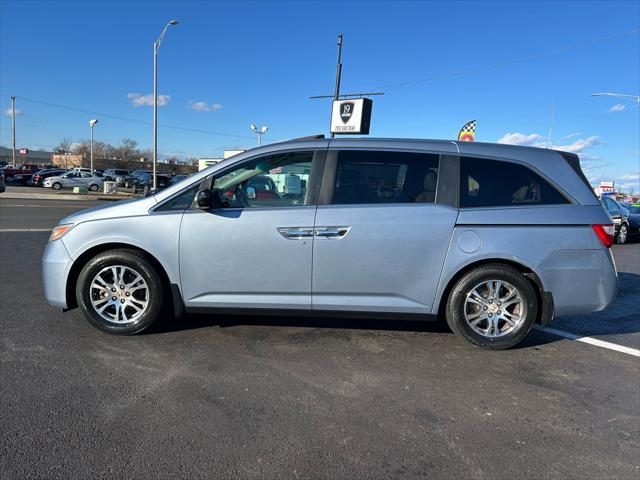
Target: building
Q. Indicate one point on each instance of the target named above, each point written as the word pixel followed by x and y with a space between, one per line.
pixel 205 162
pixel 40 157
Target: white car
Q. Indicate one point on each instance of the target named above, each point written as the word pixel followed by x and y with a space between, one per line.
pixel 75 179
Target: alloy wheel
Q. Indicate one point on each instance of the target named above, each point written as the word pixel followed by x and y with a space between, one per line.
pixel 494 308
pixel 119 294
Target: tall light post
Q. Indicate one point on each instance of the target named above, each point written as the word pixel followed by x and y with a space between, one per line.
pixel 91 125
pixel 259 132
pixel 633 98
pixel 13 128
pixel 156 46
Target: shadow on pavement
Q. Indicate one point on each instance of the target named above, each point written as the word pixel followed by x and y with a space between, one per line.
pixel 622 317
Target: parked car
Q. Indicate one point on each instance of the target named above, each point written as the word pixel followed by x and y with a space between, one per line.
pixel 134 175
pixel 75 179
pixel 634 217
pixel 117 175
pixel 493 237
pixel 2 185
pixel 24 169
pixel 144 181
pixel 41 175
pixel 620 217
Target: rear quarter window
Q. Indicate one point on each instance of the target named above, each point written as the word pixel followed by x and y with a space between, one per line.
pixel 495 183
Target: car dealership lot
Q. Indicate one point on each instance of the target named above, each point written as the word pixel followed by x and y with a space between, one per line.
pixel 224 396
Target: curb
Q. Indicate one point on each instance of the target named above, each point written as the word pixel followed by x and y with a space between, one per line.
pixel 63 196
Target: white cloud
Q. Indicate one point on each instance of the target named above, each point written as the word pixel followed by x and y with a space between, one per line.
pixel 7 112
pixel 630 176
pixel 139 100
pixel 203 106
pixel 579 146
pixel 536 140
pixel 618 107
pixel 573 135
pixel 516 138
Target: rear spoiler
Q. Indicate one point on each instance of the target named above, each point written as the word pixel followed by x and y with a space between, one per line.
pixel 574 162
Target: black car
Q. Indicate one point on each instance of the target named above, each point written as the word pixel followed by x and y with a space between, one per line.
pixel 118 175
pixel 634 217
pixel 37 178
pixel 620 217
pixel 144 181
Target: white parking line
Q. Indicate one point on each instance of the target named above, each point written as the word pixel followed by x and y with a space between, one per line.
pixel 3 230
pixel 591 341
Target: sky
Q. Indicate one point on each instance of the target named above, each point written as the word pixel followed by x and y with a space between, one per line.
pixel 227 65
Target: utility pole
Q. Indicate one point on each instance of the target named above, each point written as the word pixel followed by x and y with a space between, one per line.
pixel 336 92
pixel 13 126
pixel 553 107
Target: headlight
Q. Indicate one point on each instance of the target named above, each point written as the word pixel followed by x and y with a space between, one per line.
pixel 59 231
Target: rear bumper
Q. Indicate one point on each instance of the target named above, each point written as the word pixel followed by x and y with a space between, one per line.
pixel 581 281
pixel 56 264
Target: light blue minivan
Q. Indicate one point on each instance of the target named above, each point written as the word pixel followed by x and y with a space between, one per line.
pixel 491 237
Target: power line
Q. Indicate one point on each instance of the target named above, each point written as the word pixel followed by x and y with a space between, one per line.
pixel 510 61
pixel 127 119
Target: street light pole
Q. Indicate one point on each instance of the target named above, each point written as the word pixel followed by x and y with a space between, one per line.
pixel 633 98
pixel 156 46
pixel 91 124
pixel 259 132
pixel 13 127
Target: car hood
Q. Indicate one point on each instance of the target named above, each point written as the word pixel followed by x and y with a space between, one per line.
pixel 122 208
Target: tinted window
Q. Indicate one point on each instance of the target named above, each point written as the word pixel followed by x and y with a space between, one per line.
pixel 492 183
pixel 274 181
pixel 182 201
pixel 385 177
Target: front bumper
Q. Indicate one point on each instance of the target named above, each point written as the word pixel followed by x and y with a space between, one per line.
pixel 56 264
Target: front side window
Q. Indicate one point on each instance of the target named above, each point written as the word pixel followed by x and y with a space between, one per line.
pixel 274 181
pixel 385 177
pixel 494 183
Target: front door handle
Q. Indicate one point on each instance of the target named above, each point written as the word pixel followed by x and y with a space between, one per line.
pixel 295 233
pixel 331 232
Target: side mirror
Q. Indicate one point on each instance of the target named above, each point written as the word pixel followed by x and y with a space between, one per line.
pixel 251 193
pixel 203 199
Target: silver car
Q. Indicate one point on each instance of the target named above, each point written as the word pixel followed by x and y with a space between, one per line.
pixel 75 178
pixel 494 238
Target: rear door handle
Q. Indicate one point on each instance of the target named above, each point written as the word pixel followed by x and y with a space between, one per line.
pixel 295 233
pixel 331 232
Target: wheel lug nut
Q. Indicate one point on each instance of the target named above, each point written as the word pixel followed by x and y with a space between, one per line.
pixel 484 308
pixel 499 303
pixel 499 312
pixel 127 294
pixel 122 301
pixel 113 298
pixel 491 300
pixel 121 287
pixel 113 289
pixel 491 314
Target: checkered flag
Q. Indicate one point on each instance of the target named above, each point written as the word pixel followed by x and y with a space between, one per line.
pixel 468 132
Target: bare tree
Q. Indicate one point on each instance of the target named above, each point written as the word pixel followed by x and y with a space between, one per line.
pixel 64 146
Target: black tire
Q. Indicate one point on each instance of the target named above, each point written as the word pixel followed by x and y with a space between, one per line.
pixel 623 234
pixel 93 188
pixel 56 186
pixel 135 261
pixel 456 306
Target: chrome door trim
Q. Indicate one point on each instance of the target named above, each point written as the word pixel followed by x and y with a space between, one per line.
pixel 295 233
pixel 331 232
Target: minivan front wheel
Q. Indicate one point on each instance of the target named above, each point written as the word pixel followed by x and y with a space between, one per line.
pixel 120 292
pixel 493 306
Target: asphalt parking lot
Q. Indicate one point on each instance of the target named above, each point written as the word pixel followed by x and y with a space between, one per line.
pixel 242 397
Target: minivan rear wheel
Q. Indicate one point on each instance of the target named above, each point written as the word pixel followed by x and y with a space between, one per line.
pixel 493 306
pixel 120 292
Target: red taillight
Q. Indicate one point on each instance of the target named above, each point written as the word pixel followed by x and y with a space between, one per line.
pixel 605 233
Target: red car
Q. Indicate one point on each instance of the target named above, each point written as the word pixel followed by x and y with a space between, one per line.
pixel 24 169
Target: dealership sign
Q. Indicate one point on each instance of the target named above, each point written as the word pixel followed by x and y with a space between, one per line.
pixel 351 116
pixel 24 151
